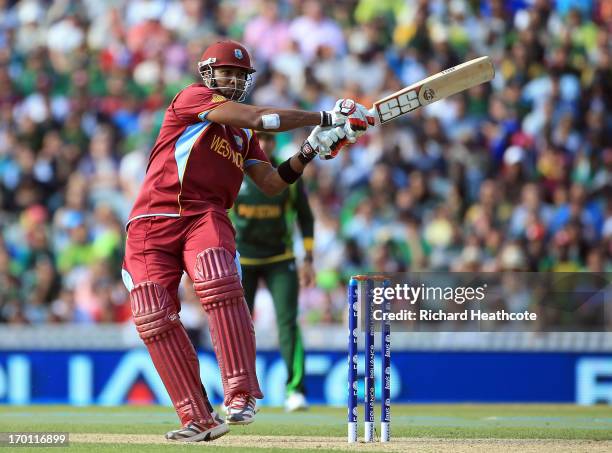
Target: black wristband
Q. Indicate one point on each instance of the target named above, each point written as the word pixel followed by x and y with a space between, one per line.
pixel 307 153
pixel 326 119
pixel 288 174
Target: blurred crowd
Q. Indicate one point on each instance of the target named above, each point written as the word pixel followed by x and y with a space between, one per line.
pixel 511 175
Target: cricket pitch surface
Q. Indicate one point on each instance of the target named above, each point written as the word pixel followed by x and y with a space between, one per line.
pixel 414 428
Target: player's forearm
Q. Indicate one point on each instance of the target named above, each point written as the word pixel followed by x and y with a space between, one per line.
pixel 279 120
pixel 264 118
pixel 273 183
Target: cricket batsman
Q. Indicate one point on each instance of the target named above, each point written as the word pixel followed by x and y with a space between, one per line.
pixel 179 223
pixel 264 235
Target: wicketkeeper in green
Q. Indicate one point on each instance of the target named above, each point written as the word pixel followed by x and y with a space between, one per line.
pixel 264 237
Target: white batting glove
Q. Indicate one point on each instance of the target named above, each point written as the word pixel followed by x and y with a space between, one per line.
pixel 310 147
pixel 357 123
pixel 353 116
pixel 331 142
pixel 326 142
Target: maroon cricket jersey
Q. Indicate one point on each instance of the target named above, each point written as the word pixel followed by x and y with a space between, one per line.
pixel 196 165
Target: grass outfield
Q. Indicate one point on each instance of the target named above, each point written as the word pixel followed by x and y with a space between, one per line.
pixel 420 428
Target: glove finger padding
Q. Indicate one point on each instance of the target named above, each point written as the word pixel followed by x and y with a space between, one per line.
pixel 351 134
pixel 325 142
pixel 358 123
pixel 313 137
pixel 361 119
pixel 367 116
pixel 336 147
pixel 337 138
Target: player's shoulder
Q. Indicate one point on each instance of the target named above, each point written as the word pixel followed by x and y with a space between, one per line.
pixel 200 92
pixel 196 88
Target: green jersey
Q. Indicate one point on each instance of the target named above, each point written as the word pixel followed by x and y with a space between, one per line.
pixel 265 225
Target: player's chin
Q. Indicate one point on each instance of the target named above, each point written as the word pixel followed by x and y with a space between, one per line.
pixel 228 92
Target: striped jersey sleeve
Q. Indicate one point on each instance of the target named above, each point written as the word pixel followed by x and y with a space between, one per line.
pixel 255 154
pixel 195 102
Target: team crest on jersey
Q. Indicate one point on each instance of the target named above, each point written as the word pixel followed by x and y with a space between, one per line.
pixel 218 98
pixel 238 140
pixel 238 53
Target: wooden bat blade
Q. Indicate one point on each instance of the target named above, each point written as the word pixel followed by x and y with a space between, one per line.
pixel 433 88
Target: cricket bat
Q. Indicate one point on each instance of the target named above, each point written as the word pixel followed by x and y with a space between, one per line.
pixel 433 88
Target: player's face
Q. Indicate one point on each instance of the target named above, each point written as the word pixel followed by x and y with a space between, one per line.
pixel 229 80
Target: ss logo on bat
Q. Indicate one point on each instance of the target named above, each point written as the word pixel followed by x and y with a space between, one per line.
pixel 404 103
